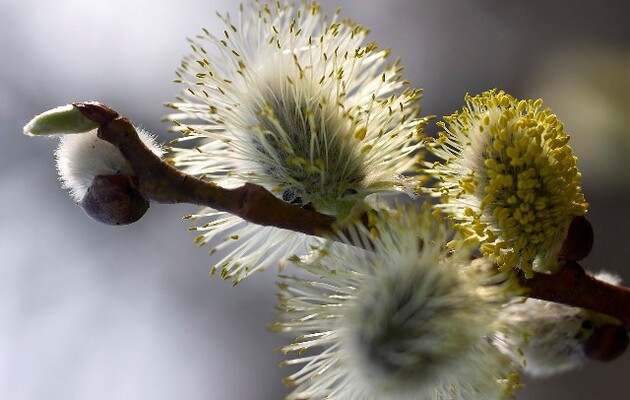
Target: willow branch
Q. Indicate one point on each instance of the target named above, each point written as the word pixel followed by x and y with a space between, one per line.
pixel 160 182
pixel 573 286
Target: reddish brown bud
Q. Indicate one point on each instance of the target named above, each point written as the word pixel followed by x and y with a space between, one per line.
pixel 113 200
pixel 579 240
pixel 606 343
pixel 96 111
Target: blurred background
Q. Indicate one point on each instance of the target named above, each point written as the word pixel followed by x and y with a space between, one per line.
pixel 95 312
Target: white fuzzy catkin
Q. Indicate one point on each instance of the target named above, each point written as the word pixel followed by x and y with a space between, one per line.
pixel 405 321
pixel 301 103
pixel 81 157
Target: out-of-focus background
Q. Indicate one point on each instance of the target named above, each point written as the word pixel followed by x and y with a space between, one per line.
pixel 95 312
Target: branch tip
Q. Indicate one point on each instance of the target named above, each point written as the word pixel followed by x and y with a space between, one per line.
pixel 96 111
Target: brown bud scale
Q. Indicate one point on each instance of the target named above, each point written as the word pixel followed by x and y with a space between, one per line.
pixel 606 343
pixel 579 241
pixel 113 200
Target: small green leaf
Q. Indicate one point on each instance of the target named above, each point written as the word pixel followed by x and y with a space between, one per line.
pixel 59 120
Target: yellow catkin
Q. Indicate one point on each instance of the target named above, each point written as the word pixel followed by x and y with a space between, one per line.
pixel 511 160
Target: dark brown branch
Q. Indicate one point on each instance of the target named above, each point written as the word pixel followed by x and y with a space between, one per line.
pixel 573 286
pixel 160 182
